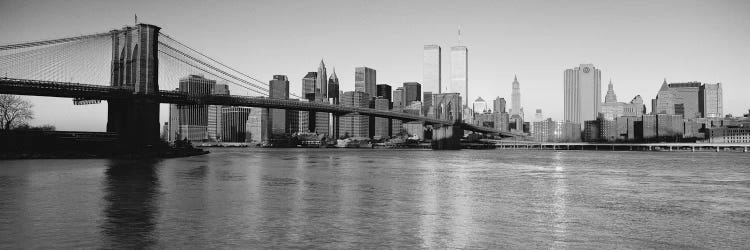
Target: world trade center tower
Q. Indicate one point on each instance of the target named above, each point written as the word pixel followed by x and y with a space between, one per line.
pixel 431 74
pixel 460 72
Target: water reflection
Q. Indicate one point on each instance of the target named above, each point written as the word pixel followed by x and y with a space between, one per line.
pixel 559 191
pixel 130 210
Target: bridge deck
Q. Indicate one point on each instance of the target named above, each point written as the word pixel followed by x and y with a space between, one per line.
pixel 103 92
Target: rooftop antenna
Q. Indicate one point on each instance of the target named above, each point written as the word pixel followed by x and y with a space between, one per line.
pixel 136 19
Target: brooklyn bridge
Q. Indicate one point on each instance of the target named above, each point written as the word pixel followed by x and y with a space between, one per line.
pixel 135 68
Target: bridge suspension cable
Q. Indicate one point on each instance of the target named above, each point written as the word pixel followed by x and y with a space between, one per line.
pixel 53 41
pixel 190 54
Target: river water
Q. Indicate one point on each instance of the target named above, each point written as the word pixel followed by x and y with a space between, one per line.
pixel 350 198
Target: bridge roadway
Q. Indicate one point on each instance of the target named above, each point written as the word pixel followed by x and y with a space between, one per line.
pixel 101 92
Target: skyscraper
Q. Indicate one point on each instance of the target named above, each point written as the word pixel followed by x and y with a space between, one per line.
pixel 515 108
pixel 333 87
pixel 321 83
pixel 460 72
pixel 214 114
pixel 398 98
pixel 412 92
pixel 498 105
pixel 583 93
pixel 431 74
pixel 351 124
pixel 192 120
pixel 308 86
pixel 711 100
pixel 678 99
pixel 384 90
pixel 279 89
pixel 365 80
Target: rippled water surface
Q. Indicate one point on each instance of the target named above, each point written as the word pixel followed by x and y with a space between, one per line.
pixel 319 198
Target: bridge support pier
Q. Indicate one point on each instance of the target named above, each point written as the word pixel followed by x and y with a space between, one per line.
pixel 135 65
pixel 447 137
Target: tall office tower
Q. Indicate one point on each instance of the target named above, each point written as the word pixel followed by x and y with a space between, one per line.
pixel 193 119
pixel 174 123
pixel 321 83
pixel 498 105
pixel 711 101
pixel 583 93
pixel 355 125
pixel 479 105
pixel 382 125
pixel 365 80
pixel 426 102
pixel 678 99
pixel 308 86
pixel 460 72
pixel 258 125
pixel 234 124
pixel 214 114
pixel 333 88
pixel 515 108
pixel 431 74
pixel 384 90
pixel 412 92
pixel 279 89
pixel 398 98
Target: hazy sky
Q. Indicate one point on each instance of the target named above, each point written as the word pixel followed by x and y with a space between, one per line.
pixel 635 43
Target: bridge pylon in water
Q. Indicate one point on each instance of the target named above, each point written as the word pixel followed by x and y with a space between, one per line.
pixel 135 65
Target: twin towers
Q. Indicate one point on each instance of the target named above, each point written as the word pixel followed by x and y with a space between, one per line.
pixel 459 74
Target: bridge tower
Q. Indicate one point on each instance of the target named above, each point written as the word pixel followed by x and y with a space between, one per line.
pixel 135 65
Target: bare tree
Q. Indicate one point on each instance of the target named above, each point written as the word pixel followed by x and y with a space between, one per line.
pixel 14 111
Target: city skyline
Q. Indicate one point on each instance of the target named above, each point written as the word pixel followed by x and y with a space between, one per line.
pixel 635 53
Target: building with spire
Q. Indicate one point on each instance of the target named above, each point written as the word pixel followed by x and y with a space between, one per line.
pixel 611 109
pixel 460 72
pixel 515 108
pixel 321 83
pixel 333 87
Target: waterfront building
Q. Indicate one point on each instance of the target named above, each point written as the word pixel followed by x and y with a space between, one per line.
pixel 711 102
pixel 492 120
pixel 414 129
pixel 431 69
pixel 515 108
pixel 398 98
pixel 397 128
pixel 555 131
pixel 353 125
pixel 303 120
pixel 648 127
pixel 591 131
pixel 191 121
pixel 382 126
pixel 412 92
pixel 460 72
pixel 669 126
pixel 384 90
pixel 258 126
pixel 279 89
pixel 504 124
pixel 234 124
pixel 414 108
pixel 733 134
pixel 365 80
pixel 214 114
pixel 582 93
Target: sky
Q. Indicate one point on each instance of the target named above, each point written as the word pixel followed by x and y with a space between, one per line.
pixel 636 44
